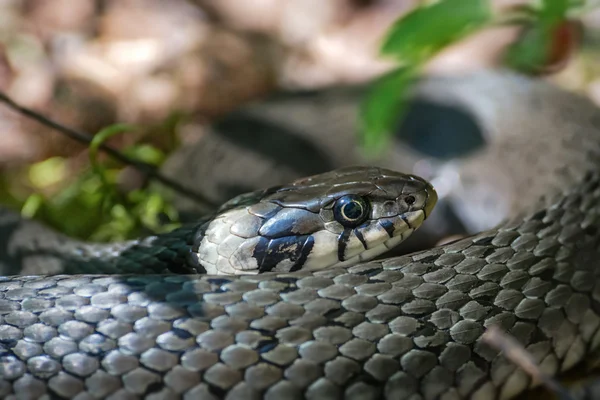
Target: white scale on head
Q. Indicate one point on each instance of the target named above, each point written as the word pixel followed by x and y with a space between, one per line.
pixel 223 253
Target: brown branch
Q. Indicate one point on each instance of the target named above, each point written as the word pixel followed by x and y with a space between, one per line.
pixel 515 352
pixel 148 170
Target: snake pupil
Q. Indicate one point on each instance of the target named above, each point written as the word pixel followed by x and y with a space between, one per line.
pixel 350 210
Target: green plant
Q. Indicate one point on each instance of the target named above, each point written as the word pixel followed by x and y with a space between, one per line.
pixel 89 202
pixel 419 35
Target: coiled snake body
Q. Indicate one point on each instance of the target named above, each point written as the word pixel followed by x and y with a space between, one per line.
pixel 399 328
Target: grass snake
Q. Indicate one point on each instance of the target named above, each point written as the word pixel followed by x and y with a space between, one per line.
pixel 187 315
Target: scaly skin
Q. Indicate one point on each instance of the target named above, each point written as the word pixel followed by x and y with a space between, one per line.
pixel 401 328
pixel 397 328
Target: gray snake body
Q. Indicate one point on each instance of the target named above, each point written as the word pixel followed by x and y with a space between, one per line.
pixel 400 328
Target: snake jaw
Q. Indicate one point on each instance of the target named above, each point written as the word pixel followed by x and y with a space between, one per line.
pixel 380 242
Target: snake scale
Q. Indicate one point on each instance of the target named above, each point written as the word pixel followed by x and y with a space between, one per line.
pixel 407 327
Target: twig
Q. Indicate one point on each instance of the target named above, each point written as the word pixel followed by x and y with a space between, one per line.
pixel 148 170
pixel 515 352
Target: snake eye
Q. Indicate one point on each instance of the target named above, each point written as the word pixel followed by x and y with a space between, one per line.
pixel 350 210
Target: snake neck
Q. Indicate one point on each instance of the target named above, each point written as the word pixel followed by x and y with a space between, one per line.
pixel 158 254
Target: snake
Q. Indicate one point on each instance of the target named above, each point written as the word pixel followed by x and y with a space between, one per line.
pixel 281 293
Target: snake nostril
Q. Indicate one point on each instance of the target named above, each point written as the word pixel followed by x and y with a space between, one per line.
pixel 410 200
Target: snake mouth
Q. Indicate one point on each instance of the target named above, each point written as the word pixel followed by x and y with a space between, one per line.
pixel 397 229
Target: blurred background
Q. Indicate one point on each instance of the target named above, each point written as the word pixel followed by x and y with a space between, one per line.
pixel 246 94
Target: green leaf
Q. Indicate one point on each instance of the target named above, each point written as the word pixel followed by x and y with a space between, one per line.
pixel 48 172
pixel 534 48
pixel 108 189
pixel 102 136
pixel 383 107
pixel 146 153
pixel 77 209
pixel 32 205
pixel 531 52
pixel 554 10
pixel 426 30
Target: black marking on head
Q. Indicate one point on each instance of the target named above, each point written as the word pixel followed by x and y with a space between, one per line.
pixel 304 253
pixel 406 221
pixel 285 248
pixel 290 222
pixel 260 251
pixel 342 242
pixel 388 226
pixel 360 237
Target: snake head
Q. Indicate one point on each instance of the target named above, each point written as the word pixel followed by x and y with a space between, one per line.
pixel 338 218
